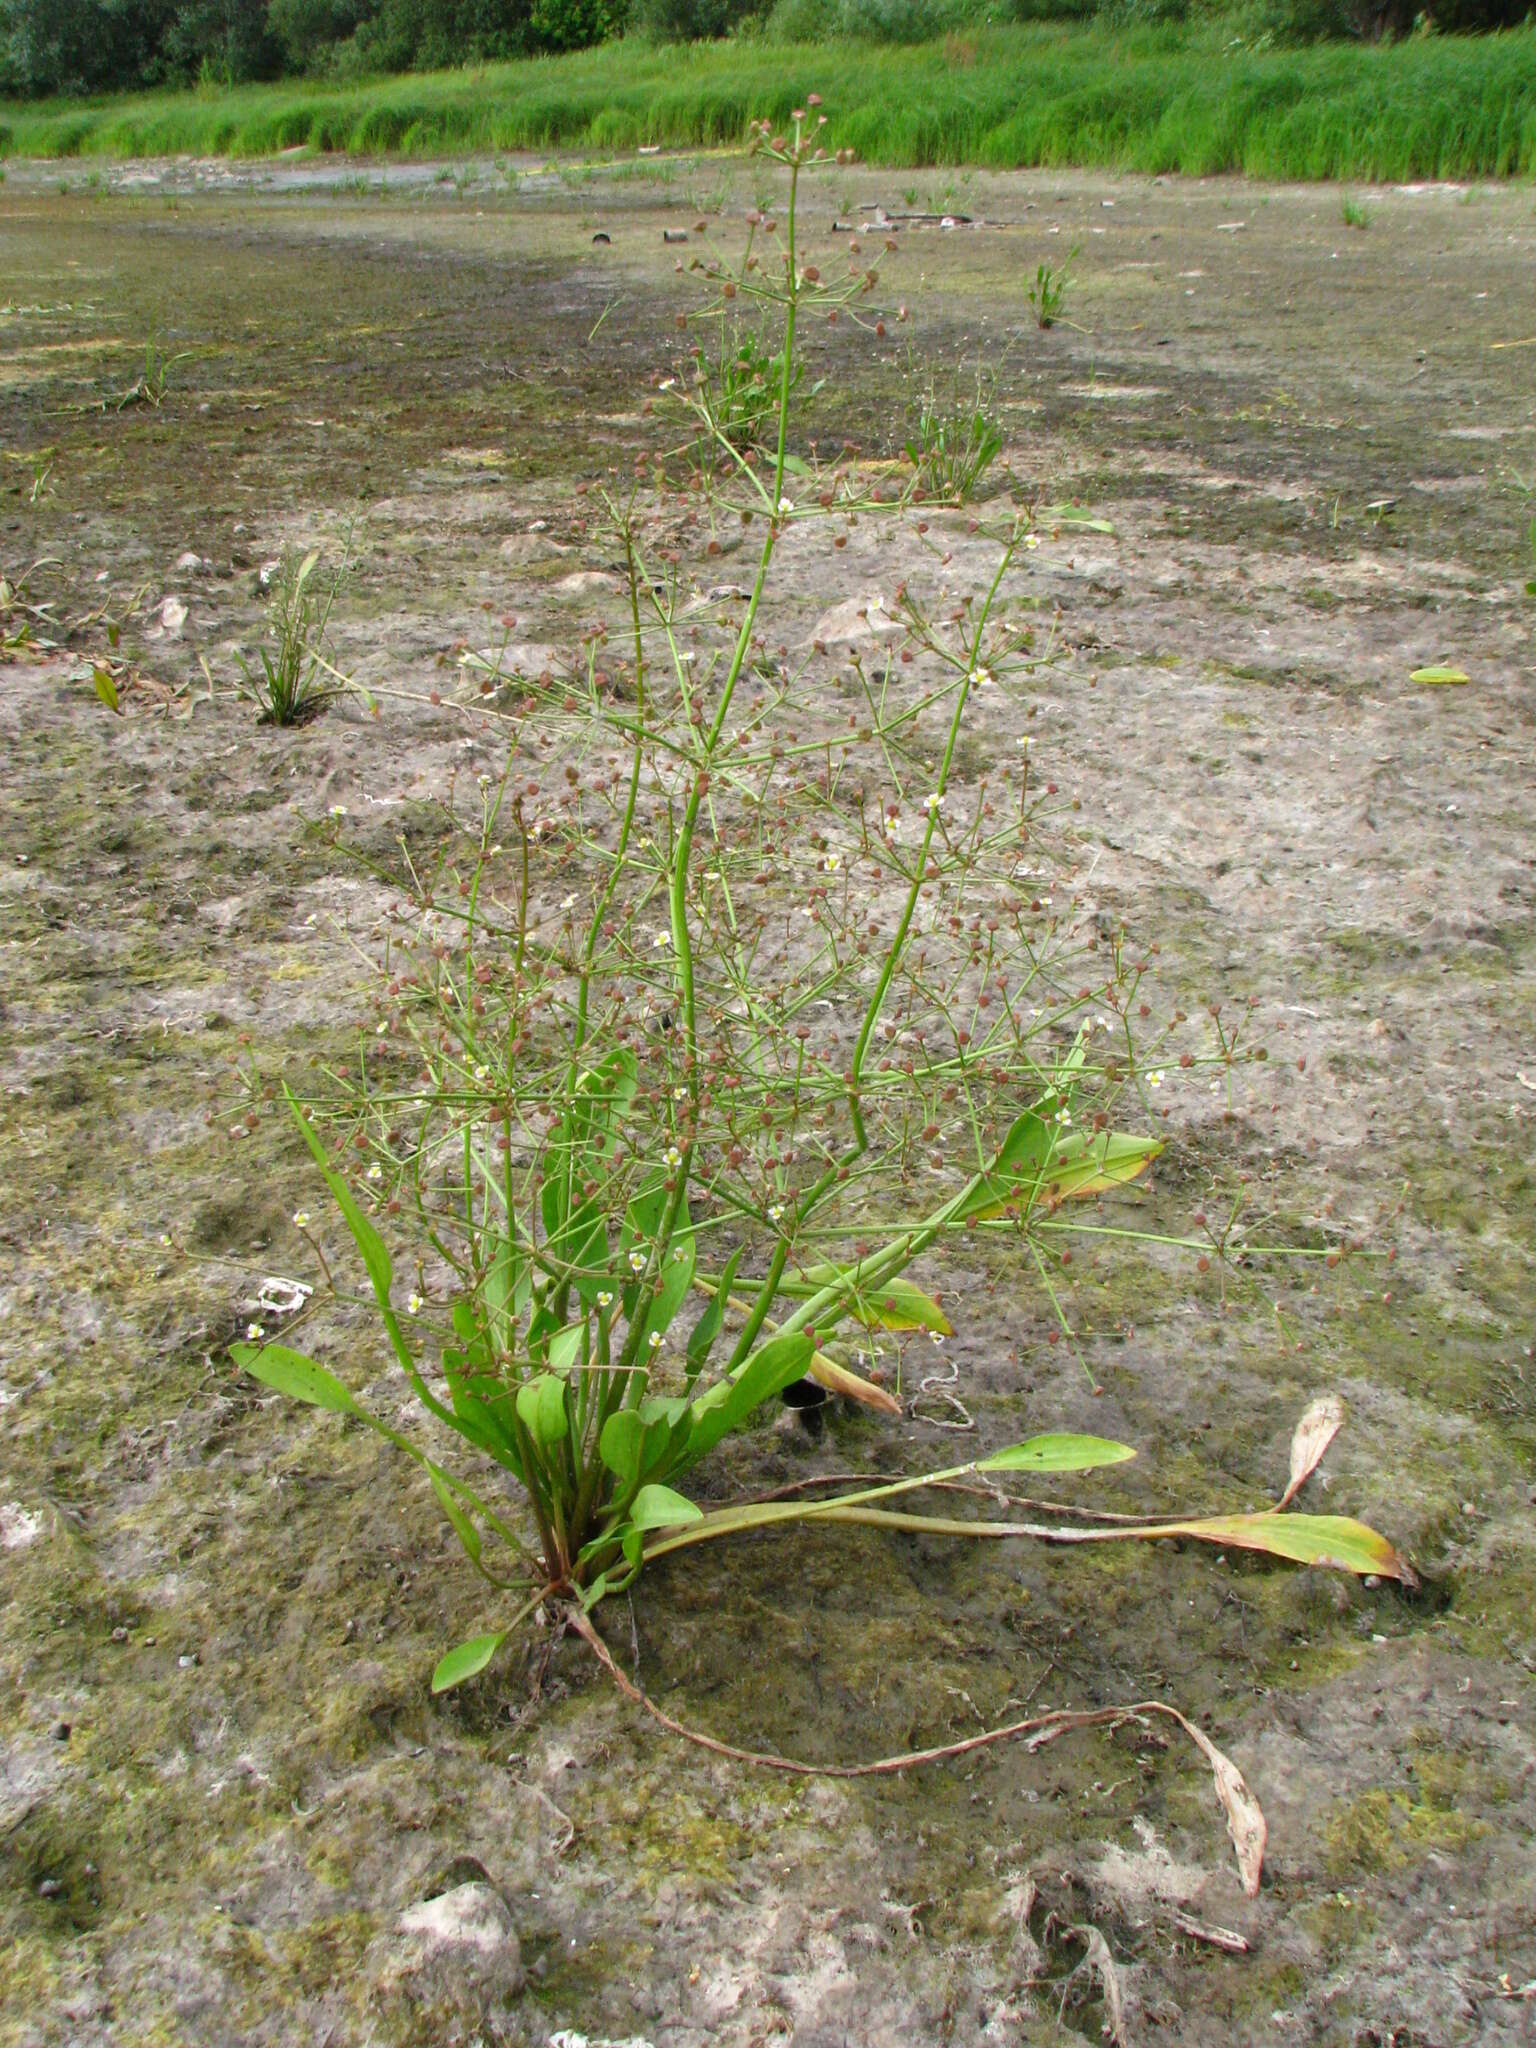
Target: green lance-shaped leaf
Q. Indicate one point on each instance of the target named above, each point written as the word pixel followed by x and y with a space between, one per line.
pixel 565 1347
pixel 1442 677
pixel 729 1402
pixel 300 1378
pixel 706 1331
pixel 463 1527
pixel 1056 1453
pixel 675 1281
pixel 658 1507
pixel 1076 516
pixel 620 1444
pixel 376 1260
pixel 467 1660
pixel 541 1409
pixel 374 1252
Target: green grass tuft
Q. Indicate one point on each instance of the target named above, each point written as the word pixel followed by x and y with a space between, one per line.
pixel 1043 94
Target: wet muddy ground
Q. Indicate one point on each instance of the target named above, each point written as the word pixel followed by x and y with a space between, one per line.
pixel 222 1777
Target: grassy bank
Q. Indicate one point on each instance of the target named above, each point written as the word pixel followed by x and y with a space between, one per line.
pixel 1430 108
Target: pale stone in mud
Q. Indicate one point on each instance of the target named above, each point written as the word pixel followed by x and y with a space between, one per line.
pixel 458 1948
pixel 587 583
pixel 19 1526
pixel 856 618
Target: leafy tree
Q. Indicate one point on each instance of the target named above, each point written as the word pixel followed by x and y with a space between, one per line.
pixel 80 46
pixel 229 41
pixel 308 32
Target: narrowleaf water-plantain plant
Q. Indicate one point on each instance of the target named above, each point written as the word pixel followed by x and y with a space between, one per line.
pixel 726 1005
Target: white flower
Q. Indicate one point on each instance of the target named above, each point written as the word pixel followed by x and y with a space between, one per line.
pixel 255 1332
pixel 637 1261
pixel 654 1340
pixel 1064 1116
pixel 667 384
pixel 381 1028
pixel 680 1094
pixel 935 1336
pixel 672 1156
pixel 832 863
pixel 1031 541
pixel 375 1172
pixel 1025 740
pixel 933 803
pixel 301 1216
pixel 165 1237
pixel 415 1304
pixel 338 810
pixel 482 1073
pixel 775 1211
pixel 980 677
pixel 568 902
pixel 786 504
pixel 604 1298
pixel 661 940
pixel 1155 1078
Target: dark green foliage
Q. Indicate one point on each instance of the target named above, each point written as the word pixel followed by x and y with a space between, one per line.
pixel 405 35
pixel 555 25
pixel 221 42
pixel 308 31
pixel 695 21
pixel 75 47
pixel 1314 21
pixel 78 46
pixel 89 46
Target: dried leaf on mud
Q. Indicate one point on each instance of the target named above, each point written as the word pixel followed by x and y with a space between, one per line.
pixel 1245 1817
pixel 1099 1963
pixel 1319 1425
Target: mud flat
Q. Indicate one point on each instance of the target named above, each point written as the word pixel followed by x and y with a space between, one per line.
pixel 222 1779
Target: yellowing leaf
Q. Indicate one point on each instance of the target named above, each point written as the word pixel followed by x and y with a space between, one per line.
pixel 1089 1168
pixel 894 1304
pixel 1440 675
pixel 837 1379
pixel 1336 1541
